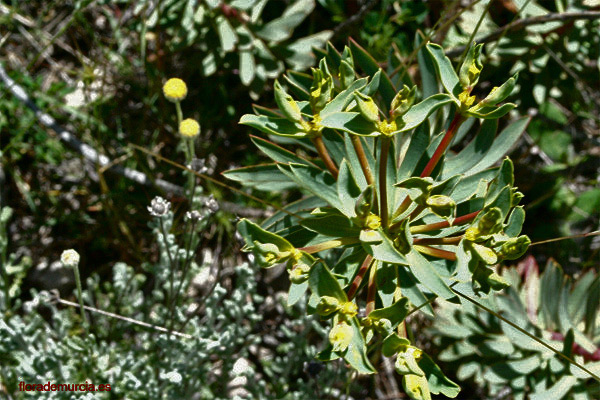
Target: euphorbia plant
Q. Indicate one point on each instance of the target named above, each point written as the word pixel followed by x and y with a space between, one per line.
pixel 392 217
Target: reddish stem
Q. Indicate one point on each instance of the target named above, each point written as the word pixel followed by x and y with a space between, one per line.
pixel 371 290
pixel 446 240
pixel 359 277
pixel 443 146
pixel 444 224
pixel 435 252
pixel 322 150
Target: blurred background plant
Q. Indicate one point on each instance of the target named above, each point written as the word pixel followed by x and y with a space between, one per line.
pixel 98 68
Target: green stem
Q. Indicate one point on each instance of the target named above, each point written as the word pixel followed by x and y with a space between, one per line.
pixel 444 224
pixel 191 176
pixel 359 277
pixel 80 296
pixel 443 146
pixel 383 208
pixel 172 264
pixel 179 113
pixel 330 244
pixel 322 150
pixel 435 252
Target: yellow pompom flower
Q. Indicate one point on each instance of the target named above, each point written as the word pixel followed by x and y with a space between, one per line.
pixel 189 128
pixel 175 90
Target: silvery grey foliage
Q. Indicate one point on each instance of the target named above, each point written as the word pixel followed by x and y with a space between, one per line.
pixel 224 322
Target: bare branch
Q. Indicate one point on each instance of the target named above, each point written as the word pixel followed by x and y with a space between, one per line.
pixel 525 22
pixel 91 155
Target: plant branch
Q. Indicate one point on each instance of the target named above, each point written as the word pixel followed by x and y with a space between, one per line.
pixel 330 244
pixel 371 289
pixel 581 235
pixel 383 208
pixel 362 158
pixel 322 150
pixel 55 297
pixel 435 252
pixel 359 276
pixel 525 22
pixel 443 146
pixel 523 331
pixel 444 224
pixel 445 240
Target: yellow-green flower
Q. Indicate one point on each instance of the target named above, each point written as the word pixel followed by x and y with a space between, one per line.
pixel 349 309
pixel 189 128
pixel 175 90
pixel 340 336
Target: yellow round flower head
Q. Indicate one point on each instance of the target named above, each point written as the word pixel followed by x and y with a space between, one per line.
pixel 175 90
pixel 189 128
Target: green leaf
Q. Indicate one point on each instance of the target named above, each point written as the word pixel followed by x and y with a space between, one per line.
pixel 426 68
pixel 579 296
pixel 334 142
pixel 342 100
pixel 347 189
pixel 252 232
pixel 296 292
pixel 226 33
pixel 273 125
pixel 408 283
pixel 503 201
pixel 281 28
pixel 419 112
pixel 556 391
pixel 427 275
pixel 356 354
pixel 318 182
pixel 474 152
pixel 392 343
pixel 300 56
pixel 261 177
pixel 363 59
pixel 383 249
pixel 515 222
pixel 336 226
pixel 278 153
pixel 438 382
pixel 444 69
pixel 418 144
pixel 468 185
pixel 247 67
pixel 491 112
pixel 503 143
pixel 351 122
pixel 354 163
pixel 349 264
pixel 322 283
pixel 281 219
pixel 394 313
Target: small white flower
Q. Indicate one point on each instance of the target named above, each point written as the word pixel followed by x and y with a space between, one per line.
pixel 211 204
pixel 70 258
pixel 159 207
pixel 198 165
pixel 193 215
